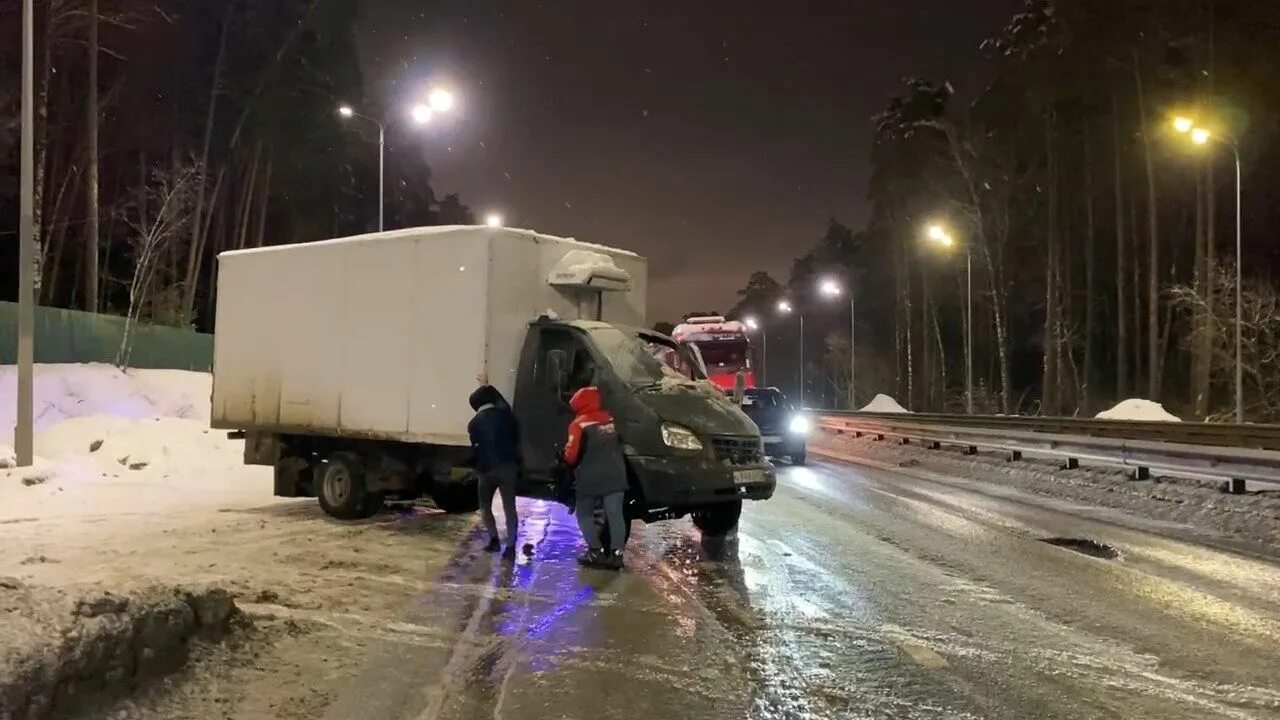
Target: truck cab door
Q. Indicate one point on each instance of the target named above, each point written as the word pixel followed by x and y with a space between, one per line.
pixel 554 364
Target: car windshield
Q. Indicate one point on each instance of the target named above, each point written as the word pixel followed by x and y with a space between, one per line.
pixel 644 358
pixel 723 353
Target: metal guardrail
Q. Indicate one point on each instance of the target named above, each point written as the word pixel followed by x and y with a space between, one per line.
pixel 1233 454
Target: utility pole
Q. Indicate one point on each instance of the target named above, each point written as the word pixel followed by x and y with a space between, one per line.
pixel 22 434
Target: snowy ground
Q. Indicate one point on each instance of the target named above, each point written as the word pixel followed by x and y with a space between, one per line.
pixel 1249 522
pixel 133 490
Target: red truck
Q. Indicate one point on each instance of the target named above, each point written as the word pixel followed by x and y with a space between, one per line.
pixel 724 346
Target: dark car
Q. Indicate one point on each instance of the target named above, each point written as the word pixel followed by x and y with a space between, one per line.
pixel 783 429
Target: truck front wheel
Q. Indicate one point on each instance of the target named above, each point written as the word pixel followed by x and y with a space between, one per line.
pixel 342 492
pixel 718 520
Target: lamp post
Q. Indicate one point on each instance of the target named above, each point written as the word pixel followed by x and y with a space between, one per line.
pixel 753 325
pixel 23 445
pixel 830 288
pixel 439 100
pixel 785 308
pixel 1202 136
pixel 939 236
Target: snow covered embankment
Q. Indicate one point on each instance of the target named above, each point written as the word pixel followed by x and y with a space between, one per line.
pixel 112 442
pixel 1137 409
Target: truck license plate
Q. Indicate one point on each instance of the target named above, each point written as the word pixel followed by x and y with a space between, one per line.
pixel 748 477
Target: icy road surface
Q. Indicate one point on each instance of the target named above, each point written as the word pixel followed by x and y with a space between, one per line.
pixel 854 593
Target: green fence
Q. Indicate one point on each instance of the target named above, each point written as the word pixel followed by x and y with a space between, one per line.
pixel 71 336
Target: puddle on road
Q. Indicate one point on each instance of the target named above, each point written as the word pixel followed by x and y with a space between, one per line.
pixel 1092 548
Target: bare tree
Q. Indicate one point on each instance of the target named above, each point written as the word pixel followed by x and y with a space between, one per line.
pixel 170 199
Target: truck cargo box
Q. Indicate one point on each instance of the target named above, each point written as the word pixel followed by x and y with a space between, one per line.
pixel 384 335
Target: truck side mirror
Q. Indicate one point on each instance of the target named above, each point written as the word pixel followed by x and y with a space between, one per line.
pixel 558 371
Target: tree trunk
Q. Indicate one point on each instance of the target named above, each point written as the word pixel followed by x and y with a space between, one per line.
pixel 1049 383
pixel 1199 359
pixel 1122 310
pixel 59 234
pixel 245 208
pixel 264 198
pixel 91 133
pixel 1086 390
pixel 942 354
pixel 194 254
pixel 926 360
pixel 1153 246
pixel 1135 287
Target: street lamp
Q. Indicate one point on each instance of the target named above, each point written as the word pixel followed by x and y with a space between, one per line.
pixel 438 100
pixel 754 325
pixel 785 308
pixel 939 236
pixel 1201 136
pixel 830 288
pixel 493 220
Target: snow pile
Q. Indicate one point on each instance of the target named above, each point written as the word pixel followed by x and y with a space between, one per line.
pixel 1139 410
pixel 584 267
pixel 883 404
pixel 63 392
pixel 110 442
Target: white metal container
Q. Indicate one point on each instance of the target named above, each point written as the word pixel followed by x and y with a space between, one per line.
pixel 385 335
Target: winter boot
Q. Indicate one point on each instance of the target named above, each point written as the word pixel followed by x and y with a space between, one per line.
pixel 493 546
pixel 613 560
pixel 592 558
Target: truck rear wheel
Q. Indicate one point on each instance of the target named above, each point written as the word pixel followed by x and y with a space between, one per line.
pixel 718 520
pixel 342 492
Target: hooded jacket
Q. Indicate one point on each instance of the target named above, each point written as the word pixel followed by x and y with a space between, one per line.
pixel 495 439
pixel 593 448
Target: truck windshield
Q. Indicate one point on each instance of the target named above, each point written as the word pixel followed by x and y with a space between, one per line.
pixel 643 358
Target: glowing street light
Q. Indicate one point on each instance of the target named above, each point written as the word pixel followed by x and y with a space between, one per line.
pixel 440 100
pixel 751 322
pixel 939 236
pixel 830 288
pixel 1201 136
pixel 421 114
pixel 784 307
pixel 493 220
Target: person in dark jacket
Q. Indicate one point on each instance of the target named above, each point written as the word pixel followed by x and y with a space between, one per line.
pixel 495 443
pixel 600 472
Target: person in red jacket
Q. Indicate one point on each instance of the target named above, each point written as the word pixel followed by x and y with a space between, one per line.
pixel 600 475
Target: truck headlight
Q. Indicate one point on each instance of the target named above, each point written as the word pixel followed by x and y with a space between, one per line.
pixel 680 437
pixel 799 425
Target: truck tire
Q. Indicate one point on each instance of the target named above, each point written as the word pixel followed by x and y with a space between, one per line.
pixel 718 520
pixel 800 458
pixel 456 496
pixel 341 489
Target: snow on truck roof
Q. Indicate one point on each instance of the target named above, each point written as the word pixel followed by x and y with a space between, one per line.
pixel 421 232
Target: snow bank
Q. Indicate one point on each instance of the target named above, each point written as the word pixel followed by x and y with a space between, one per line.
pixel 883 404
pixel 1140 410
pixel 110 442
pixel 63 392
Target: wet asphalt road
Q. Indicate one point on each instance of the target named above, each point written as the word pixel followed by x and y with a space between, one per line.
pixel 853 593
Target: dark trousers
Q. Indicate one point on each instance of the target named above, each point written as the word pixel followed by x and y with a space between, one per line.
pixel 501 480
pixel 585 508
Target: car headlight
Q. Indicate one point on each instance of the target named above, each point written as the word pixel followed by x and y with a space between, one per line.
pixel 799 425
pixel 680 437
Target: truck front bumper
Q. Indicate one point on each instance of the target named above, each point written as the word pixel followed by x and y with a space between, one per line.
pixel 678 484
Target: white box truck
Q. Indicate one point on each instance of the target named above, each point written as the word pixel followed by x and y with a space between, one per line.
pixel 346 364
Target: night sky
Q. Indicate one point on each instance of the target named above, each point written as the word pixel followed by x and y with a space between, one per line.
pixel 715 138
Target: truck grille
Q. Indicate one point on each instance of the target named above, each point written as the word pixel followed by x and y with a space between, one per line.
pixel 736 451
